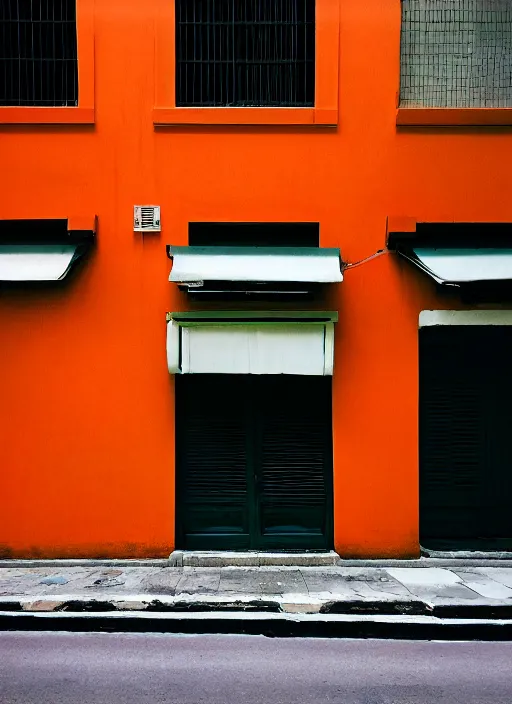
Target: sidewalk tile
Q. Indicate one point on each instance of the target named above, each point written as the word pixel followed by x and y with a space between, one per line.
pixel 162 581
pixel 433 584
pixel 353 583
pixel 199 580
pixel 424 576
pixel 503 575
pixel 282 582
pixel 241 581
pixel 483 584
pixel 23 583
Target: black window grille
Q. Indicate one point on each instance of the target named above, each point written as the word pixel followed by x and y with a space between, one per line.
pixel 254 234
pixel 456 53
pixel 245 53
pixel 38 53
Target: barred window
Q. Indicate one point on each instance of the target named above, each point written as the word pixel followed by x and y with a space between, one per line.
pixel 456 53
pixel 38 53
pixel 252 53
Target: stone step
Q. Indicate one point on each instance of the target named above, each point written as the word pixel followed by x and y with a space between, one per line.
pixel 214 558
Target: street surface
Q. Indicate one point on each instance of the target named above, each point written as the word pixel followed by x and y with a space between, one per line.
pixel 57 668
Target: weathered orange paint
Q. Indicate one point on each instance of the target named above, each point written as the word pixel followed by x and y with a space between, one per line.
pixel 87 431
pixel 454 116
pixel 163 117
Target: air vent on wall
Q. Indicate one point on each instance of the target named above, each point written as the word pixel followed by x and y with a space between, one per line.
pixel 146 218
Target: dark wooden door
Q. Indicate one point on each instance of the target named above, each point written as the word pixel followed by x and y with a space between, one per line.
pixel 254 462
pixel 466 437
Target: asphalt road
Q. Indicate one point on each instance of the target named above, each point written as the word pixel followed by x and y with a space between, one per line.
pixel 56 668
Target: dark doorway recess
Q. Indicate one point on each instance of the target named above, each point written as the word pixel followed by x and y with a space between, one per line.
pixel 254 234
pixel 254 462
pixel 465 437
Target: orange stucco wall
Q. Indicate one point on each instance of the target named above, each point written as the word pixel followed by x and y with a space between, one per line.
pixel 87 408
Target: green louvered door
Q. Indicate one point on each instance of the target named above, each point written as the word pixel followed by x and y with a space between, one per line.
pixel 212 480
pixel 254 462
pixel 294 463
pixel 466 437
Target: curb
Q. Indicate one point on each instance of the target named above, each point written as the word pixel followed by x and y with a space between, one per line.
pixel 269 625
pixel 242 605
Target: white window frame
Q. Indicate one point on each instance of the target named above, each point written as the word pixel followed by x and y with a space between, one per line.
pixel 465 317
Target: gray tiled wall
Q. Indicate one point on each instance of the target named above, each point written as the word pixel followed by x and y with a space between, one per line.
pixel 456 53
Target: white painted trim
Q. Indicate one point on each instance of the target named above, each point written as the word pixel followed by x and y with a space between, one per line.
pixel 173 347
pixel 284 348
pixel 329 350
pixel 185 350
pixel 465 317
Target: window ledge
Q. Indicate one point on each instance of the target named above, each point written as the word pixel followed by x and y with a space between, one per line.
pixel 244 116
pixel 454 116
pixel 46 116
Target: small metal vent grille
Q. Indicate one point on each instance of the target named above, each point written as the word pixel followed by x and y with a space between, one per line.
pixel 245 53
pixel 38 53
pixel 456 53
pixel 146 218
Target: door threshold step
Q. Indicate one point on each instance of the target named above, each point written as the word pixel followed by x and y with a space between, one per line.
pixel 466 554
pixel 214 558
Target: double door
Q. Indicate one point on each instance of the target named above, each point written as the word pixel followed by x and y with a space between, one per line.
pixel 254 462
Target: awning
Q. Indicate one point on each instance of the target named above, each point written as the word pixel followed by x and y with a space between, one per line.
pixel 461 265
pixel 228 342
pixel 36 263
pixel 193 267
pixel 41 250
pixel 476 256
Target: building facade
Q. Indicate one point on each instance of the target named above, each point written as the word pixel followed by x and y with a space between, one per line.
pixel 326 183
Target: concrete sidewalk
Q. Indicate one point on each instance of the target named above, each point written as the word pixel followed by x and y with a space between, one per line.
pixel 464 591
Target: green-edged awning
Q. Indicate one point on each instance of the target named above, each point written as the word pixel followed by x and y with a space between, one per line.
pixel 192 266
pixel 456 266
pixel 42 250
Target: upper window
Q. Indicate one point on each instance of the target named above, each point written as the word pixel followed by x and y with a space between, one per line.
pixel 46 62
pixel 247 62
pixel 38 53
pixel 456 54
pixel 239 53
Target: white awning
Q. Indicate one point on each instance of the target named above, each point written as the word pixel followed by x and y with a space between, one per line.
pixel 255 264
pixel 246 347
pixel 36 262
pixel 458 266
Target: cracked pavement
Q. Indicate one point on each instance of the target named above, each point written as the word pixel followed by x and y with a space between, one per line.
pixel 302 589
